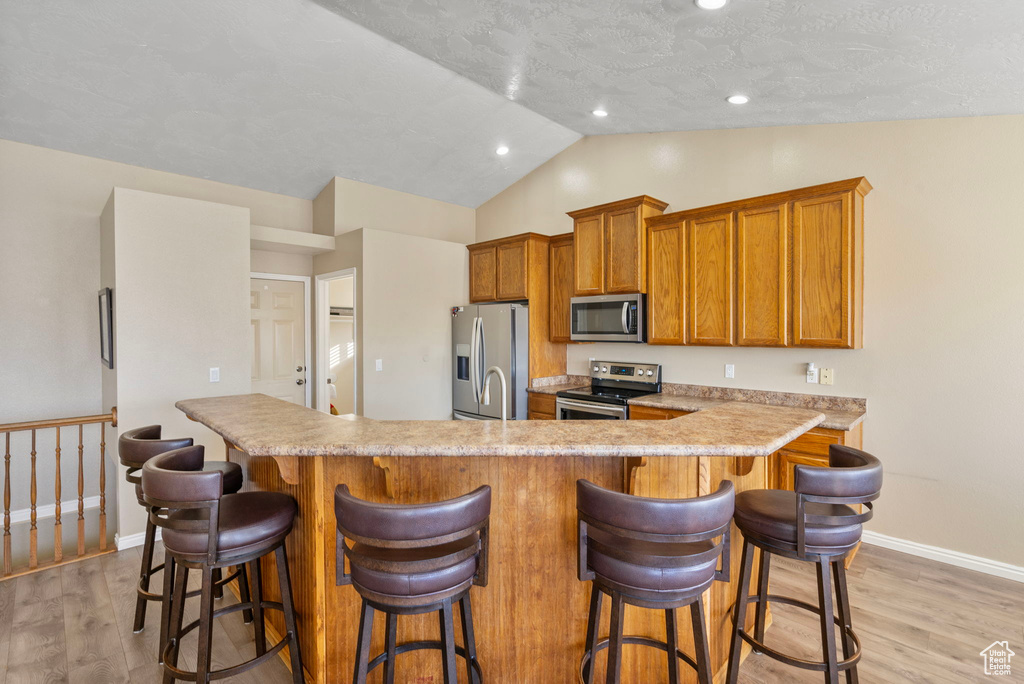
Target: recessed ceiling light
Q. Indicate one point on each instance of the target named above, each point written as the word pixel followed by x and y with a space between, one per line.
pixel 711 4
pixel 600 113
pixel 737 99
pixel 503 150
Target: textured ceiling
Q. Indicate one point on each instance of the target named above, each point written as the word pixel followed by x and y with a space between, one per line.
pixel 278 95
pixel 667 65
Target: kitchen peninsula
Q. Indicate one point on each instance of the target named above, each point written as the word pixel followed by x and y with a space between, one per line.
pixel 530 619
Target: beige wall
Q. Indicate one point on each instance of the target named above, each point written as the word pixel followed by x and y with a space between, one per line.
pixel 944 292
pixel 181 308
pixel 263 261
pixel 350 205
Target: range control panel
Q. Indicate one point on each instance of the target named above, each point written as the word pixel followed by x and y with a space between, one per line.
pixel 619 370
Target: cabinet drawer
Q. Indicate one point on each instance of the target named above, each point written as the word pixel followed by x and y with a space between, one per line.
pixel 541 407
pixel 651 413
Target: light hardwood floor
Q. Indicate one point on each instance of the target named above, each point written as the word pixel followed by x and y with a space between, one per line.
pixel 919 621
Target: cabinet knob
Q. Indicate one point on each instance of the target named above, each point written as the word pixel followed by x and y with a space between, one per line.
pixel 300 381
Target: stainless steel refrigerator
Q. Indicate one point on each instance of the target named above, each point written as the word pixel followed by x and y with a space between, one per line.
pixel 485 335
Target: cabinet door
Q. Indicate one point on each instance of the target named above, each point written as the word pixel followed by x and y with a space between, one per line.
pixel 482 274
pixel 624 256
pixel 761 276
pixel 512 270
pixel 710 280
pixel 561 292
pixel 822 271
pixel 588 252
pixel 786 459
pixel 666 305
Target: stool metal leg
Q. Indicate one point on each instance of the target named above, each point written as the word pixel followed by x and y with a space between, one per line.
pixel 843 599
pixel 203 658
pixel 390 637
pixel 468 638
pixel 363 644
pixel 165 605
pixel 702 654
pixel 740 613
pixel 615 640
pixel 256 595
pixel 177 615
pixel 448 639
pixel 285 581
pixel 672 641
pixel 243 590
pixel 218 590
pixel 593 623
pixel 144 575
pixel 828 632
pixel 762 595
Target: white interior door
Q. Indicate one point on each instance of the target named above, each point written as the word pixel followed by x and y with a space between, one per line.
pixel 278 339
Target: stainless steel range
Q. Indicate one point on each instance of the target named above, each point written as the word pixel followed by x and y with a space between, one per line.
pixel 612 385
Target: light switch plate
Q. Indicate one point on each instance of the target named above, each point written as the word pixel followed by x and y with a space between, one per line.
pixel 827 376
pixel 730 370
pixel 215 375
pixel 380 364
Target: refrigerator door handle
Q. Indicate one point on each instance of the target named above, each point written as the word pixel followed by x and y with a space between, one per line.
pixel 481 355
pixel 473 380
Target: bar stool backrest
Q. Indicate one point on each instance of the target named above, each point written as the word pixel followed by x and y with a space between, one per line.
pixel 853 477
pixel 624 517
pixel 412 526
pixel 175 482
pixel 137 446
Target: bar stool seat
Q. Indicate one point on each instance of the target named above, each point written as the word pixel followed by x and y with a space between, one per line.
pixel 770 515
pixel 248 522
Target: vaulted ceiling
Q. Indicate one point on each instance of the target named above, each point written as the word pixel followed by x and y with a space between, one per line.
pixel 415 95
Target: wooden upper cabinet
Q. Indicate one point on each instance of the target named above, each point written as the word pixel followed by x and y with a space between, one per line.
pixel 826 235
pixel 666 271
pixel 588 254
pixel 561 286
pixel 483 266
pixel 512 270
pixel 610 246
pixel 762 278
pixel 710 277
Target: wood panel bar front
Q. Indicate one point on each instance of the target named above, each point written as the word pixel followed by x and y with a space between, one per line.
pixel 530 619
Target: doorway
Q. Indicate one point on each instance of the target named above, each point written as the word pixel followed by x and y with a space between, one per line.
pixel 337 342
pixel 281 349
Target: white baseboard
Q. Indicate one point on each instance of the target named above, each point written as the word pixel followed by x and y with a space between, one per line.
pixel 961 560
pixel 131 540
pixel 67 509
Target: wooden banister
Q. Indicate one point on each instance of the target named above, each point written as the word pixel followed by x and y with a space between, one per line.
pixel 83 550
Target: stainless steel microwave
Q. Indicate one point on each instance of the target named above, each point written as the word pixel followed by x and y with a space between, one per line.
pixel 608 318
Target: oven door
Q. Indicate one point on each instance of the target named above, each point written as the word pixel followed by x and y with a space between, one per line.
pixel 570 409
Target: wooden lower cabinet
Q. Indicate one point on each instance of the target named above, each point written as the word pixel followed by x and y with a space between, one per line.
pixel 541 407
pixel 651 413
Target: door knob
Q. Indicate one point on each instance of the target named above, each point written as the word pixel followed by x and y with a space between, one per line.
pixel 300 381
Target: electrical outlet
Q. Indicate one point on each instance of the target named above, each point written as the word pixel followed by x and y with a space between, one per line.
pixel 812 375
pixel 827 376
pixel 380 364
pixel 730 370
pixel 215 375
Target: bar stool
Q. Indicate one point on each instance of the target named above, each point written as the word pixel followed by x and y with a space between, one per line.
pixel 206 530
pixel 412 559
pixel 651 553
pixel 814 523
pixel 134 448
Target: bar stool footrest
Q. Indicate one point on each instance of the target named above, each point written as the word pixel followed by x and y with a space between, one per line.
pixel 586 660
pixel 234 669
pixel 422 645
pixel 153 596
pixel 813 665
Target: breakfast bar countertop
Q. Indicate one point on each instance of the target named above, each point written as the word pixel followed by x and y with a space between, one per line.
pixel 264 426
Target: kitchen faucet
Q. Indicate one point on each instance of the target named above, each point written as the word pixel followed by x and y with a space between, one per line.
pixel 486 398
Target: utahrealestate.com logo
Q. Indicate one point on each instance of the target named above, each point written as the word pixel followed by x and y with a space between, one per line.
pixel 997 658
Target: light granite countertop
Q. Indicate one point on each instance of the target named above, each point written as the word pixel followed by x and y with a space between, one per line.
pixel 840 413
pixel 265 426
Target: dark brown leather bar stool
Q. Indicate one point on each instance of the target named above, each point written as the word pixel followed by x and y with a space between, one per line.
pixel 814 523
pixel 206 530
pixel 651 553
pixel 411 559
pixel 134 448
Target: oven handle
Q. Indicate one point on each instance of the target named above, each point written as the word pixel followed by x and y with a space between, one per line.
pixel 592 408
